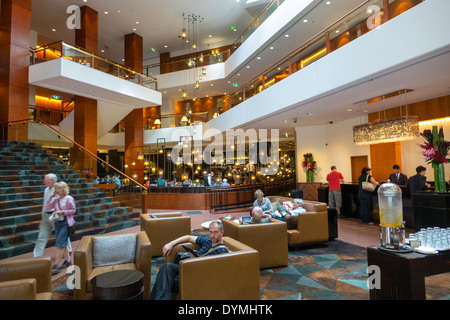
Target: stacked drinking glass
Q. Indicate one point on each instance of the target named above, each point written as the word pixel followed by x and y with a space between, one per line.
pixel 436 238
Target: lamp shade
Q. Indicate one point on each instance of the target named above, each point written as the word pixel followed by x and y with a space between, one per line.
pixel 157 121
pixel 184 119
pixel 391 130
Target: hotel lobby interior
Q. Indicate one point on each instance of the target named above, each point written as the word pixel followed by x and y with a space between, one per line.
pixel 266 95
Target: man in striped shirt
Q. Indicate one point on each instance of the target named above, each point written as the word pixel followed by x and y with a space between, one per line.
pixel 167 280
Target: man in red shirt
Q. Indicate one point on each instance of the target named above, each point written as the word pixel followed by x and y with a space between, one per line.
pixel 335 179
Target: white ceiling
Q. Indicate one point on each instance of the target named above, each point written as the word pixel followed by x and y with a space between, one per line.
pixel 160 23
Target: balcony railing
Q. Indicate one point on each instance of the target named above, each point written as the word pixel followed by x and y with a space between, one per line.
pixel 73 53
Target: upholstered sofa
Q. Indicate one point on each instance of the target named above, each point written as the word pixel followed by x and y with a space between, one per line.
pixel 162 228
pixel 269 239
pixel 306 228
pixel 26 279
pixel 95 257
pixel 228 276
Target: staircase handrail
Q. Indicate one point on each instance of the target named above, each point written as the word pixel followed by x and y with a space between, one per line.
pixel 90 153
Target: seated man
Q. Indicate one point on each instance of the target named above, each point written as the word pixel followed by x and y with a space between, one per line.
pixel 167 280
pixel 258 217
pixel 293 209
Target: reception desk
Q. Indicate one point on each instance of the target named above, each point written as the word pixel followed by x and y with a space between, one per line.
pixel 350 202
pixel 431 209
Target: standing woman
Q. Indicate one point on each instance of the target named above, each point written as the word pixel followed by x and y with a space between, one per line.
pixel 365 197
pixel 64 206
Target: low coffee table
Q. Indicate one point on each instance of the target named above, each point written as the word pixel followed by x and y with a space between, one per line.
pixel 118 285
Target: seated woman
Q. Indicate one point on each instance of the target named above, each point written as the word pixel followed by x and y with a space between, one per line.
pixel 263 203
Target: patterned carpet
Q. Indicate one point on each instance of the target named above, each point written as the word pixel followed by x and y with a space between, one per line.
pixel 334 271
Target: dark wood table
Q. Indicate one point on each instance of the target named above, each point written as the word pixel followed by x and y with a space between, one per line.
pixel 403 274
pixel 118 285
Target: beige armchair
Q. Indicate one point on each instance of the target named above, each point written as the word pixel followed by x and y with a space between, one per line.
pixel 26 279
pixel 162 228
pixel 229 276
pixel 309 227
pixel 269 239
pixel 84 258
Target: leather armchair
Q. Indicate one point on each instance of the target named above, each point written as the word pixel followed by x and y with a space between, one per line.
pixel 312 226
pixel 162 228
pixel 83 258
pixel 269 239
pixel 229 276
pixel 26 279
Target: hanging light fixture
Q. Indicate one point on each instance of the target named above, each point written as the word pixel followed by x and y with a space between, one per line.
pixel 197 84
pixel 183 33
pixel 403 128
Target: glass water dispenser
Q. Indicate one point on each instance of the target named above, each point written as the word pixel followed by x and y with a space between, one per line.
pixel 392 229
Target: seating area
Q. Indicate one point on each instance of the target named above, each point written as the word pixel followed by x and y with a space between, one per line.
pixel 23 166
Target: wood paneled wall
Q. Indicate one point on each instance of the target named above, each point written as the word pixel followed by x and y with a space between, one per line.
pixel 384 155
pixel 15 26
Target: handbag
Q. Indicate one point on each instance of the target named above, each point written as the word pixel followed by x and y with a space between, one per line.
pixel 367 185
pixel 56 217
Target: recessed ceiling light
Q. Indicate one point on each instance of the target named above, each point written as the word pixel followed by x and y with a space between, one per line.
pixel 259 58
pixel 286 36
pixel 271 48
pixel 53 30
pixel 106 12
pixel 305 20
pixel 328 2
pixel 134 29
pixel 84 0
pixel 337 31
pixel 165 46
pixel 238 74
pixel 248 67
pixel 210 36
pixel 137 22
pixel 349 110
pixel 118 11
pixel 103 50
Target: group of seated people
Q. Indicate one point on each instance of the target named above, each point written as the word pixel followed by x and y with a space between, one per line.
pixel 287 208
pixel 115 179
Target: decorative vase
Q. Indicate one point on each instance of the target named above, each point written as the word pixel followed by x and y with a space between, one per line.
pixel 309 176
pixel 439 178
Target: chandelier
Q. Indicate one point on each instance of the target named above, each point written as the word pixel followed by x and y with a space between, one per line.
pixel 403 128
pixel 391 130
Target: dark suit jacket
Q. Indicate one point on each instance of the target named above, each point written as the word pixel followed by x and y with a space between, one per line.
pixel 401 181
pixel 417 183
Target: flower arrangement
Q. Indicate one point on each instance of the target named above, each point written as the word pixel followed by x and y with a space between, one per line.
pixel 436 150
pixel 310 165
pixel 88 173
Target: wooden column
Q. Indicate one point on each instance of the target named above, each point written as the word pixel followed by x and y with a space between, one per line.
pixel 15 27
pixel 134 121
pixel 85 109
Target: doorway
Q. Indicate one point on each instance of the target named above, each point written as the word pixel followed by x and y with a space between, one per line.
pixel 358 162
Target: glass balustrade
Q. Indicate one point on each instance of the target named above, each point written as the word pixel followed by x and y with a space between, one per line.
pixel 63 50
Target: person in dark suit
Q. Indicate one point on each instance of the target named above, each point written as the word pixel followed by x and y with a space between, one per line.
pixel 397 177
pixel 418 182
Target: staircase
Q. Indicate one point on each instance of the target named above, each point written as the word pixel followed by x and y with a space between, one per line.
pixel 23 166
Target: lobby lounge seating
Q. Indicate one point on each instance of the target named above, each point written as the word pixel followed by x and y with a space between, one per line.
pixel 269 239
pixel 229 276
pixel 109 253
pixel 311 227
pixel 162 228
pixel 26 279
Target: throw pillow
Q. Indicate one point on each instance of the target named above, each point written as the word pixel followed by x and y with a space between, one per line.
pixel 291 222
pixel 281 208
pixel 116 249
pixel 288 204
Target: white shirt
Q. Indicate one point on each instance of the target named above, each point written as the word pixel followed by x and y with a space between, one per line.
pixel 47 194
